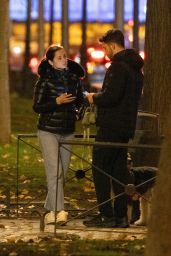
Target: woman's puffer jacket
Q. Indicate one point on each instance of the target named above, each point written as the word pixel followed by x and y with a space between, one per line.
pixel 51 84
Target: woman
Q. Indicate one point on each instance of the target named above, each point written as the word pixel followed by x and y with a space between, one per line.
pixel 58 96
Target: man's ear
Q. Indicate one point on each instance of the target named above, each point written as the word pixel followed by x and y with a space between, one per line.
pixel 113 46
pixel 50 62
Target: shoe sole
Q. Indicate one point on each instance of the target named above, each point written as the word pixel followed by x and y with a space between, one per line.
pixel 102 225
pixel 118 226
pixel 61 223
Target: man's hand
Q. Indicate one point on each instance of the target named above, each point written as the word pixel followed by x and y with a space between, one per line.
pixel 65 98
pixel 90 97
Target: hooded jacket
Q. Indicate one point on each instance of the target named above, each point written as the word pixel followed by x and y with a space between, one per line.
pixel 117 103
pixel 51 84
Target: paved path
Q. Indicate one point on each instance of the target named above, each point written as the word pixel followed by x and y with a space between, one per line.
pixel 12 230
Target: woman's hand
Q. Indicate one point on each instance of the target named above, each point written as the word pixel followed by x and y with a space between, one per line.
pixel 65 98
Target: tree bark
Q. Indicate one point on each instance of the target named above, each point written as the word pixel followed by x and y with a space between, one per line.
pixel 5 117
pixel 27 36
pixel 65 25
pixel 157 95
pixel 119 14
pixel 83 48
pixel 41 30
pixel 51 22
pixel 159 234
pixel 157 88
pixel 136 26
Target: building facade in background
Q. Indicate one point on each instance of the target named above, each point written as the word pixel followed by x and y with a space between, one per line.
pixel 100 18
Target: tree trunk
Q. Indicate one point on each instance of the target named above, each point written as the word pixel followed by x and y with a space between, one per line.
pixel 159 234
pixel 65 25
pixel 157 95
pixel 27 36
pixel 41 30
pixel 51 21
pixel 5 118
pixel 83 48
pixel 119 14
pixel 136 26
pixel 157 88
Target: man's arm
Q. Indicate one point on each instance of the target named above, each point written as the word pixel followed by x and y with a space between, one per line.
pixel 114 89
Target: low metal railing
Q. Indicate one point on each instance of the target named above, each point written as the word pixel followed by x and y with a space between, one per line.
pixel 85 143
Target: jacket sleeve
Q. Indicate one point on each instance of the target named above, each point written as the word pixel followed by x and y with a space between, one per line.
pixel 40 103
pixel 81 102
pixel 80 97
pixel 113 87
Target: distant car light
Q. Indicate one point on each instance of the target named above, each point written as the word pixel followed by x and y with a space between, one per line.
pixel 97 55
pixel 33 64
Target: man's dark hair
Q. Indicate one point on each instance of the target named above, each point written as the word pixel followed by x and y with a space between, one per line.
pixel 113 36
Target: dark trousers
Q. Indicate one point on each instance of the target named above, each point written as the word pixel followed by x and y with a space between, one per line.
pixel 113 161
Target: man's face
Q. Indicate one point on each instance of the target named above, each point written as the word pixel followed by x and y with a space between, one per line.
pixel 109 49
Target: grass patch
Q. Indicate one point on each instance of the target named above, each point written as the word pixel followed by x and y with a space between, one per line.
pixel 23 118
pixel 51 247
pixel 103 248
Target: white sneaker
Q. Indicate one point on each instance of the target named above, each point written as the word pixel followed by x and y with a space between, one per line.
pixel 50 217
pixel 61 217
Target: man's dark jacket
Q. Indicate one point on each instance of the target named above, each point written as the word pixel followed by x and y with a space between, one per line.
pixel 117 103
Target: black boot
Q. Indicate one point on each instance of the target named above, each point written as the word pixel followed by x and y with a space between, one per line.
pixel 122 222
pixel 100 221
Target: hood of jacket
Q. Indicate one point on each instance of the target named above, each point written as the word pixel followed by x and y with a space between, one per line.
pixel 131 57
pixel 45 69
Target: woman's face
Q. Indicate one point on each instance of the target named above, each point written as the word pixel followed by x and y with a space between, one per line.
pixel 60 60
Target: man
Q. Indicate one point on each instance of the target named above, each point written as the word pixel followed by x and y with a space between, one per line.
pixel 117 105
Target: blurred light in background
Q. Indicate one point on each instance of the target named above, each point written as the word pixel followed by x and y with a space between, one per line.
pixel 142 54
pixel 16 50
pixel 90 50
pixel 130 23
pixel 97 55
pixel 107 65
pixel 90 67
pixel 98 10
pixel 33 64
pixel 130 37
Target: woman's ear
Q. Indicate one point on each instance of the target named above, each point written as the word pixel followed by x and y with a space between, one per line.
pixel 50 62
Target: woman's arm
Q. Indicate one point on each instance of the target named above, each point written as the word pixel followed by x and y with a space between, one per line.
pixel 40 103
